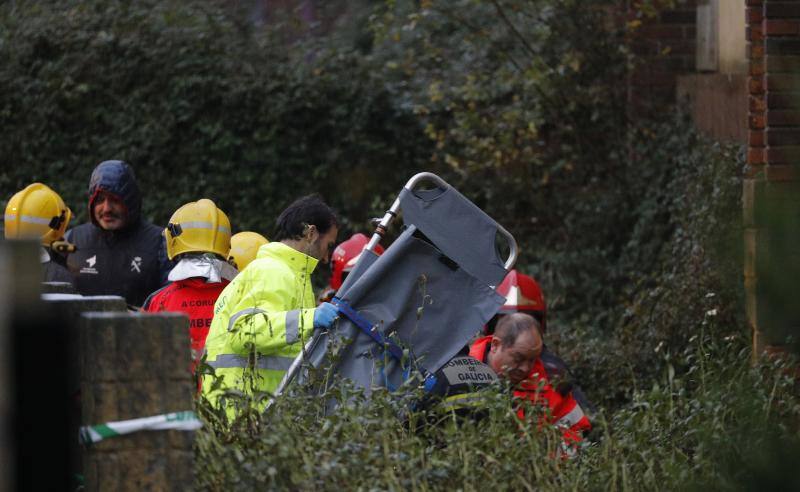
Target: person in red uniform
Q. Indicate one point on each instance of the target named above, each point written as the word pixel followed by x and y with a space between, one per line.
pixel 198 238
pixel 344 258
pixel 524 295
pixel 513 352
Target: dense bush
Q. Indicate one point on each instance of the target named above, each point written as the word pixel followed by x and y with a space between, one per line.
pixel 520 104
pixel 682 260
pixel 525 103
pixel 631 226
pixel 628 225
pixel 201 103
pixel 694 429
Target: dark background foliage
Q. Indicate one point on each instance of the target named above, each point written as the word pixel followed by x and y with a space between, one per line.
pixel 519 104
pixel 200 103
pixel 632 226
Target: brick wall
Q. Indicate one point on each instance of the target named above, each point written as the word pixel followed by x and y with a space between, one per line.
pixel 757 104
pixel 676 66
pixel 666 46
pixel 772 181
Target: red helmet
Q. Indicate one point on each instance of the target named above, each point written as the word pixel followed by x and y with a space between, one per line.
pixel 522 294
pixel 345 257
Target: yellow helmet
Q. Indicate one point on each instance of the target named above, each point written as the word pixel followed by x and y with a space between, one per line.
pixel 244 247
pixel 198 227
pixel 36 212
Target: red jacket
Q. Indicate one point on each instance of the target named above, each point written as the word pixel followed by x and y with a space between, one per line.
pixel 564 411
pixel 196 298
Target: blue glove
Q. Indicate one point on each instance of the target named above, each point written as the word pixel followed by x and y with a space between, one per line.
pixel 325 314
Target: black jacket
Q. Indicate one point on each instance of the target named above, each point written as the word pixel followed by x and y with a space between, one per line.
pixel 55 270
pixel 131 262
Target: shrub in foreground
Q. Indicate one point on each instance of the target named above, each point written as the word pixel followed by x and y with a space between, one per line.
pixel 686 430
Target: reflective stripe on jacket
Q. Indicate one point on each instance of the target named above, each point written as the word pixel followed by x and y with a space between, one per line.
pixel 558 370
pixel 563 410
pixel 261 320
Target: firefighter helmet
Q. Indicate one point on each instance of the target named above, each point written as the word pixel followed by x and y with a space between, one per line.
pixel 198 227
pixel 522 294
pixel 36 212
pixel 244 247
pixel 345 257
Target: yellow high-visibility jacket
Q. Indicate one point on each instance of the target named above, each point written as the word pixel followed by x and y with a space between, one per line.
pixel 261 321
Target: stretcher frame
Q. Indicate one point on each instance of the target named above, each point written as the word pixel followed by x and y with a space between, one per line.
pixel 377 236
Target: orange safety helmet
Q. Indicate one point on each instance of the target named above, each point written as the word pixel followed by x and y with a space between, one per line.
pixel 345 257
pixel 523 295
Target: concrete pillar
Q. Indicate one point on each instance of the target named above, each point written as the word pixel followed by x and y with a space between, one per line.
pixel 58 288
pixel 7 399
pixel 34 403
pixel 69 307
pixel 136 365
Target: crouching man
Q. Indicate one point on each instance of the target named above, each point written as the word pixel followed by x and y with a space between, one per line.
pixel 513 352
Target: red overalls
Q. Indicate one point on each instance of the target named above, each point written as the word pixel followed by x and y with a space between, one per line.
pixel 564 411
pixel 196 298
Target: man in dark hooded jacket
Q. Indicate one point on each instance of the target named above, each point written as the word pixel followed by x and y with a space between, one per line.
pixel 118 252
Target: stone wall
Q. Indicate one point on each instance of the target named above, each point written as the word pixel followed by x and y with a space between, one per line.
pixel 64 354
pixel 68 308
pixel 136 365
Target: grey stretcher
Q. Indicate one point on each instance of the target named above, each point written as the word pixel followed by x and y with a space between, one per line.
pixel 414 307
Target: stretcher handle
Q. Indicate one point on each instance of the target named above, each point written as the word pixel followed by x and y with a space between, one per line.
pixel 380 229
